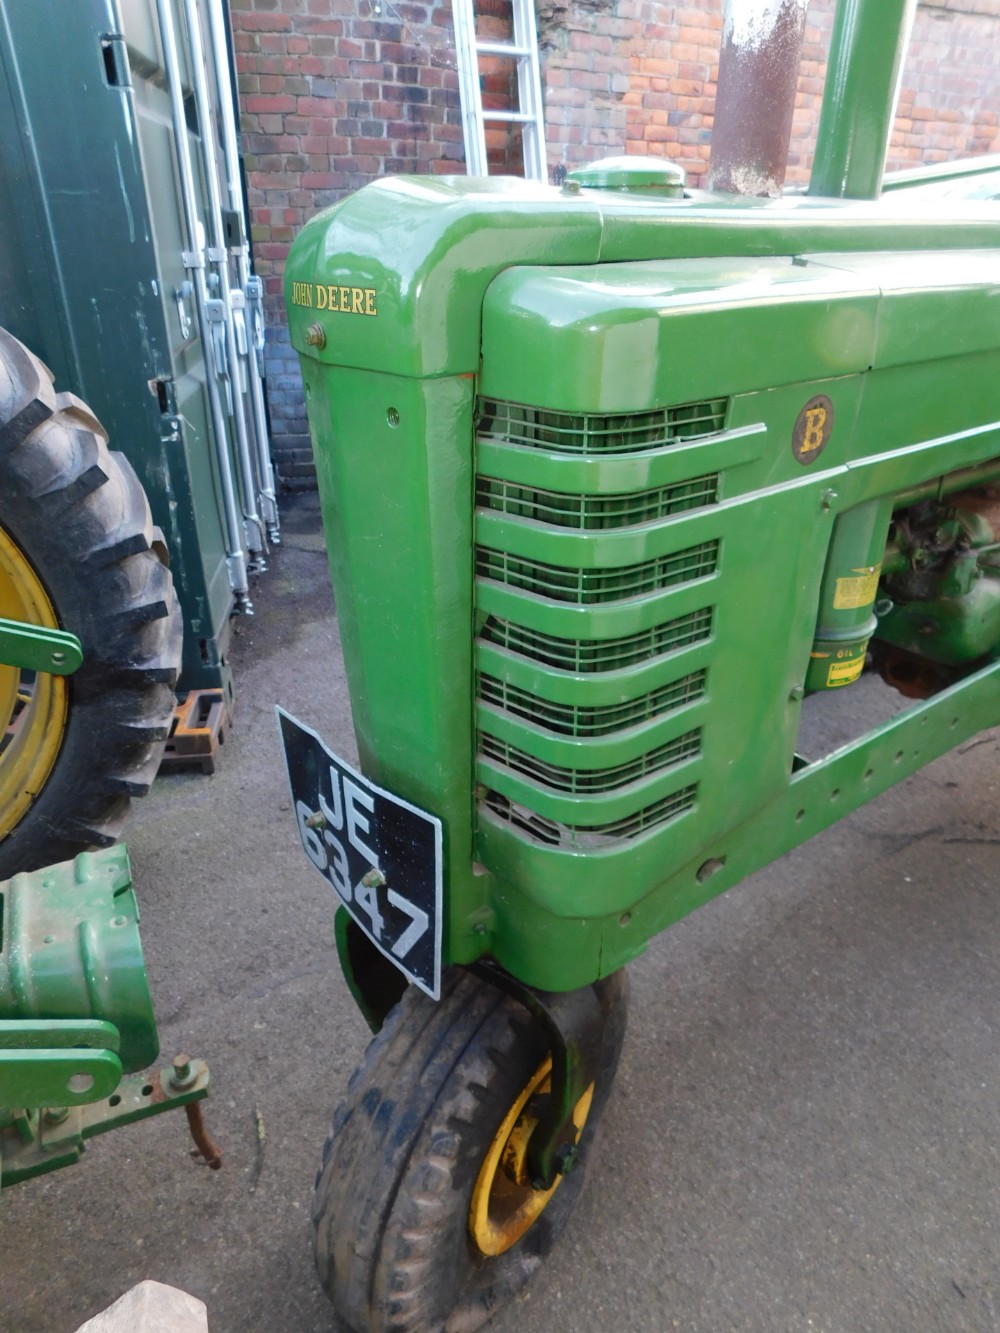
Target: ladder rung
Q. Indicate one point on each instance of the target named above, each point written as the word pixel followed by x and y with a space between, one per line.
pixel 512 117
pixel 503 49
pixel 525 100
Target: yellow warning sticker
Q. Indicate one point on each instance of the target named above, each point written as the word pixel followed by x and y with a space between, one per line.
pixel 845 673
pixel 858 590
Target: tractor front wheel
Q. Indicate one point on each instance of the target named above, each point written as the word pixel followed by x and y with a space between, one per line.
pixel 424 1217
pixel 79 552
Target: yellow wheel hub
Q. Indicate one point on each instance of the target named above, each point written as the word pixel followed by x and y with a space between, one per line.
pixel 33 705
pixel 504 1203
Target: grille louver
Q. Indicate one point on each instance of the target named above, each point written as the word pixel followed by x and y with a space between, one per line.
pixel 592 720
pixel 587 434
pixel 574 837
pixel 596 511
pixel 588 586
pixel 584 655
pixel 581 781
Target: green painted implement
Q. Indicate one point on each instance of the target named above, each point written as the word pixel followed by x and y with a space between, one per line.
pixel 77 1032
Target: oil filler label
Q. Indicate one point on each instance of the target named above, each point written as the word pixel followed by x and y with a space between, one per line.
pixel 341 300
pixel 846 672
pixel 858 589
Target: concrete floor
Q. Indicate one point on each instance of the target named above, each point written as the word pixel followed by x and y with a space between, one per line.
pixel 804 1134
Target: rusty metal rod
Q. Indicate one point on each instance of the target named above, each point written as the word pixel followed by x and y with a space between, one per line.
pixel 207 1147
pixel 758 80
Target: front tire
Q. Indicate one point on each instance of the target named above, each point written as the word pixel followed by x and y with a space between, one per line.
pixel 394 1207
pixel 78 551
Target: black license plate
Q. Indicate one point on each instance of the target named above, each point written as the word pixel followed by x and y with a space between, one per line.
pixel 381 855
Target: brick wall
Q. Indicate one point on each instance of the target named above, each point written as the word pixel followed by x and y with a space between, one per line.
pixel 337 92
pixel 639 76
pixel 332 94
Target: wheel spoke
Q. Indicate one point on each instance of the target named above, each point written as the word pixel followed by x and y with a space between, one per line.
pixel 505 1205
pixel 33 706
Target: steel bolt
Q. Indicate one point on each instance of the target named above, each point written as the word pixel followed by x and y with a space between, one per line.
pixel 318 820
pixel 182 1075
pixel 55 1115
pixel 566 1158
pixel 316 336
pixel 826 500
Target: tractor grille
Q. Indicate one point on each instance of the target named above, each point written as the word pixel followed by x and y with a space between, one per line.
pixel 577 734
pixel 575 836
pixel 596 511
pixel 586 586
pixel 582 655
pixel 580 781
pixel 593 720
pixel 566 432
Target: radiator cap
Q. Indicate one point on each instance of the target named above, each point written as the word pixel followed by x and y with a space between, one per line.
pixel 633 175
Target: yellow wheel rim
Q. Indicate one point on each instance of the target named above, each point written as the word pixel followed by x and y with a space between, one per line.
pixel 33 705
pixel 504 1204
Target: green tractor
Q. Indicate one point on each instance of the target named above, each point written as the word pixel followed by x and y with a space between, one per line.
pixel 614 476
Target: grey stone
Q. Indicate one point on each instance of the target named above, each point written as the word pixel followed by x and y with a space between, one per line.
pixel 151 1307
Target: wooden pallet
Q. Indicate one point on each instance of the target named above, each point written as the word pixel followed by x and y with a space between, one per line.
pixel 197 733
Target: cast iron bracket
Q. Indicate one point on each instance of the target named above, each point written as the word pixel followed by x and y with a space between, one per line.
pixel 375 984
pixel 573 1022
pixel 35 1141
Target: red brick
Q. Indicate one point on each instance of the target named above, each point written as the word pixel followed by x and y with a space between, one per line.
pixel 269 22
pixel 269 104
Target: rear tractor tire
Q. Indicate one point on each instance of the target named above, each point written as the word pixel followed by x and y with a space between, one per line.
pixel 423 1218
pixel 79 552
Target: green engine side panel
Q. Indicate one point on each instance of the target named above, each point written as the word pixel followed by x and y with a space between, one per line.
pixel 403 588
pixel 708 728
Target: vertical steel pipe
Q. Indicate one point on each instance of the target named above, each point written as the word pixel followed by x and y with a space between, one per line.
pixel 863 76
pixel 234 186
pixel 758 80
pixel 194 262
pixel 225 351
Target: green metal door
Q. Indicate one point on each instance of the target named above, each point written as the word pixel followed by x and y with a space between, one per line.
pixel 91 261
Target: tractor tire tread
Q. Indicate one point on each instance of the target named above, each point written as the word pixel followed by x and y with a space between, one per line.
pixel 78 514
pixel 391 1202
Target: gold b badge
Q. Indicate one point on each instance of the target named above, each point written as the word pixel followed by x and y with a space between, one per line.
pixel 813 428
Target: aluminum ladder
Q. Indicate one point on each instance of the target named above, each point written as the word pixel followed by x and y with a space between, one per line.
pixel 523 51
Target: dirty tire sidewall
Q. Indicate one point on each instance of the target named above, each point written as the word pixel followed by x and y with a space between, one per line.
pixel 80 518
pixel 391 1208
